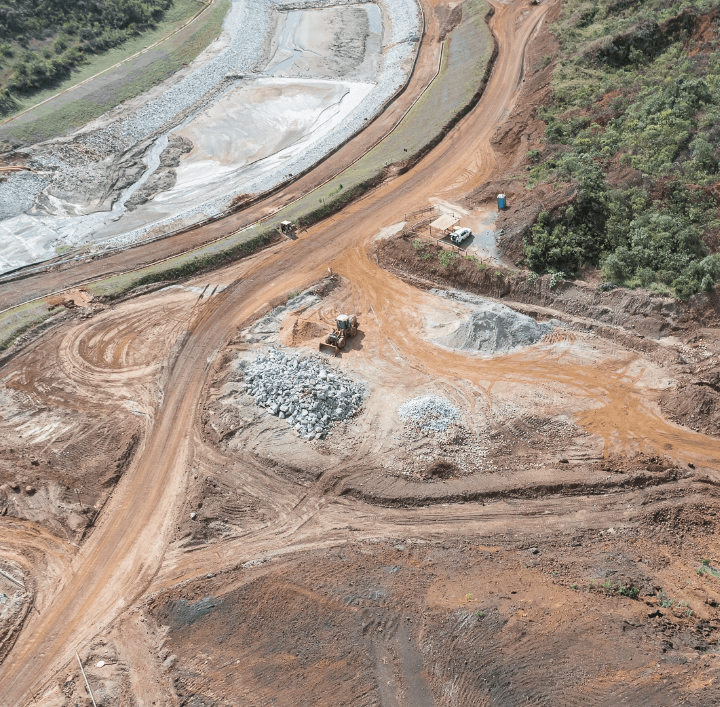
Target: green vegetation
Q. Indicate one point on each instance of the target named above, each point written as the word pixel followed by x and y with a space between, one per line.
pixel 184 266
pixel 420 246
pixel 707 569
pixel 634 125
pixel 43 41
pixel 664 600
pixel 446 257
pixel 15 323
pixel 479 614
pixel 477 261
pixel 121 82
pixel 630 592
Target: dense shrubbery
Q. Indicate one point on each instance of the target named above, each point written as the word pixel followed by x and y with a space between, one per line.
pixel 64 32
pixel 663 121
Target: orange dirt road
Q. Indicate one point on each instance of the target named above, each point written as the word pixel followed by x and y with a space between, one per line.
pixel 144 254
pixel 126 553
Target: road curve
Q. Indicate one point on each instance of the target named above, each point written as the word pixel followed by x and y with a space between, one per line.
pixel 56 278
pixel 119 561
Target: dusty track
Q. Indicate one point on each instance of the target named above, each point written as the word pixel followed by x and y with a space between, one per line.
pixel 127 553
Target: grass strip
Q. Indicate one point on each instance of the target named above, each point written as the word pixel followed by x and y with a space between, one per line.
pixel 77 108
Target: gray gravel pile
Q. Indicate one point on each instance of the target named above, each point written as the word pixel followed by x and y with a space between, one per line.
pixel 493 328
pixel 304 391
pixel 18 192
pixel 431 413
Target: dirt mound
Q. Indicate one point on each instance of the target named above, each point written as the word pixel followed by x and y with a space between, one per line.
pixel 494 328
pixel 641 312
pixel 303 331
pixel 696 405
pixel 440 469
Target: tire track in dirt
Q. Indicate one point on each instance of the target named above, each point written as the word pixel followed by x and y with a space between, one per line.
pixel 128 547
pixel 338 521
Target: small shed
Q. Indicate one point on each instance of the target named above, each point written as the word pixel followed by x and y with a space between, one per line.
pixel 442 225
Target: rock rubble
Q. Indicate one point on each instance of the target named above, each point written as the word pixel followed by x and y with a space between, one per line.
pixel 310 395
pixel 430 413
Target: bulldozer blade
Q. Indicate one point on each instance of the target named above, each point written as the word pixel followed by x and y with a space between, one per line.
pixel 328 348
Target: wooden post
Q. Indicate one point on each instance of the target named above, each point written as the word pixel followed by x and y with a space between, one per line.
pixel 87 684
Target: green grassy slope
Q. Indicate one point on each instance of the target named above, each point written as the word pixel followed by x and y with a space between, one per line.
pixel 87 102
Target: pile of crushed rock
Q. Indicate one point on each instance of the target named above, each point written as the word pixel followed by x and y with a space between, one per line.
pixel 304 391
pixel 494 328
pixel 430 413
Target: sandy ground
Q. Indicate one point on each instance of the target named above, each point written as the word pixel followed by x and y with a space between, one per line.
pixel 252 130
pixel 557 547
pixel 305 43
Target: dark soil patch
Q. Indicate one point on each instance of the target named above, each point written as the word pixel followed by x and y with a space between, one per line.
pixel 522 620
pixel 441 470
pixel 696 403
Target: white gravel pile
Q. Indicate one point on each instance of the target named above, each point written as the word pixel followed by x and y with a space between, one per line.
pixel 304 391
pixel 430 413
pixel 494 328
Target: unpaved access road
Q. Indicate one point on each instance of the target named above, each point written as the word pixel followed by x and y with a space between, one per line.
pixel 69 274
pixel 127 551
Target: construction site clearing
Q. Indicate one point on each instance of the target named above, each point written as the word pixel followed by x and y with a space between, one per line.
pixel 362 466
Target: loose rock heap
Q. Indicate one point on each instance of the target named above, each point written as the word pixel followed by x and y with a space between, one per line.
pixel 430 413
pixel 494 328
pixel 306 392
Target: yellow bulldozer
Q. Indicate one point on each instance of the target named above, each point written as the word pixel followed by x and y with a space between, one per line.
pixel 346 328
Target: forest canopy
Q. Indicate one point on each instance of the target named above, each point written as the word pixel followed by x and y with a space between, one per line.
pixel 634 124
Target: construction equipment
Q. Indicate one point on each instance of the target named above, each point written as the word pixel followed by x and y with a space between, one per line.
pixel 346 328
pixel 288 228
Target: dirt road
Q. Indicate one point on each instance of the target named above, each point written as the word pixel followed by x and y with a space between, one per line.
pixel 69 274
pixel 126 554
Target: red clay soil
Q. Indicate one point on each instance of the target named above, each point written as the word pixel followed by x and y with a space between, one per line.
pixel 529 619
pixel 564 551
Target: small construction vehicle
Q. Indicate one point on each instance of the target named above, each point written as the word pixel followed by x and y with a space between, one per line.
pixel 346 328
pixel 288 229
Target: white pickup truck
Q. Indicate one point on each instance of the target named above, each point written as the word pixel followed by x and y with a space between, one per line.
pixel 459 235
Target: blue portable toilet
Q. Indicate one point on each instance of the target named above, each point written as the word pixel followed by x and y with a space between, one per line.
pixel 501 202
